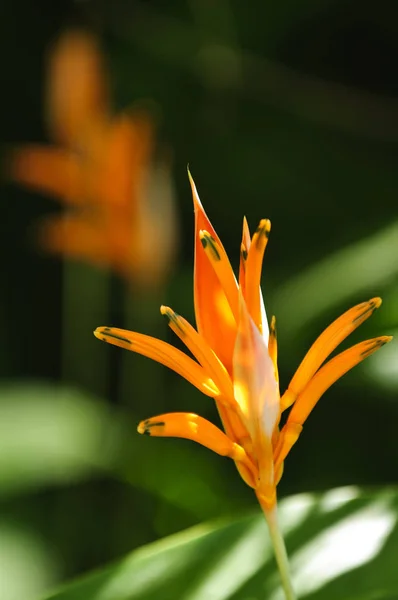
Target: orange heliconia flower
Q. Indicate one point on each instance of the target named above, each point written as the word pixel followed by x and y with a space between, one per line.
pixel 236 360
pixel 120 213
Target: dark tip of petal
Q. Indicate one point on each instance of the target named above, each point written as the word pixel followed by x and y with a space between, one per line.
pixel 272 327
pixel 376 344
pixel 172 317
pixel 243 253
pixel 369 308
pixel 109 334
pixel 209 242
pixel 263 229
pixel 156 424
pixel 145 426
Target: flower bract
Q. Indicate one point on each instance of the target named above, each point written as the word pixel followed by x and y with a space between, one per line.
pixel 235 360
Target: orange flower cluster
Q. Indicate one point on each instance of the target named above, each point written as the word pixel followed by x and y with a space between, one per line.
pixel 120 210
pixel 236 361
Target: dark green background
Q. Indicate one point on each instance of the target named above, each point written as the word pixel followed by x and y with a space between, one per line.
pixel 286 110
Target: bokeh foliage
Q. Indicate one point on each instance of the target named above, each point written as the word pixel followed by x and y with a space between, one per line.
pixel 283 110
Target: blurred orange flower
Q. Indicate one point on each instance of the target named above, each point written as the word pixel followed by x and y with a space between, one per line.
pixel 120 210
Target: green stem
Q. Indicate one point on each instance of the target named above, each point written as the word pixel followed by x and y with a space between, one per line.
pixel 278 543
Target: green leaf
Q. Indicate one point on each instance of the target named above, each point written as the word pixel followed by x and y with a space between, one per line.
pixel 361 268
pixel 342 544
pixel 28 564
pixel 50 435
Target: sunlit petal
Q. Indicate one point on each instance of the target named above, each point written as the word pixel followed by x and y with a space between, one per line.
pixel 161 352
pixel 256 389
pixel 222 267
pixel 192 427
pixel 325 344
pixel 288 437
pixel 244 251
pixel 331 372
pixel 254 263
pixel 273 346
pixel 202 352
pixel 214 317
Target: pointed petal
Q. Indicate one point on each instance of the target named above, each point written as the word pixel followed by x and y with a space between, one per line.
pixel 90 238
pixel 254 264
pixel 226 403
pixel 264 320
pixel 121 167
pixel 331 372
pixel 48 170
pixel 273 346
pixel 222 267
pixel 233 426
pixel 74 236
pixel 202 352
pixel 161 352
pixel 256 389
pixel 244 251
pixel 288 437
pixel 77 87
pixel 192 427
pixel 214 317
pixel 325 344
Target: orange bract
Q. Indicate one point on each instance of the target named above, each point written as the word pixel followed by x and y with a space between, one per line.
pixel 236 361
pixel 120 213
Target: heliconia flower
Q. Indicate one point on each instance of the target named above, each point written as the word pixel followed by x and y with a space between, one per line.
pixel 120 209
pixel 236 364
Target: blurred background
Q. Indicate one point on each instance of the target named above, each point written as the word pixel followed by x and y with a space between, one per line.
pixel 283 110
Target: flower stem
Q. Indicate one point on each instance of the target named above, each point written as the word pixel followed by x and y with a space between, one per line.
pixel 279 549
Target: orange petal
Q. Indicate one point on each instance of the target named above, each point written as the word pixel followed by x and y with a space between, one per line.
pixel 122 163
pixel 244 251
pixel 49 170
pixel 329 373
pixel 77 87
pixel 222 268
pixel 254 264
pixel 90 238
pixel 288 437
pixel 325 344
pixel 202 352
pixel 257 394
pixel 192 427
pixel 73 235
pixel 226 403
pixel 214 317
pixel 256 389
pixel 161 352
pixel 273 346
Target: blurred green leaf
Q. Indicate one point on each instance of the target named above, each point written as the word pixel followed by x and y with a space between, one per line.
pixel 342 544
pixel 24 552
pixel 383 369
pixel 361 268
pixel 50 435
